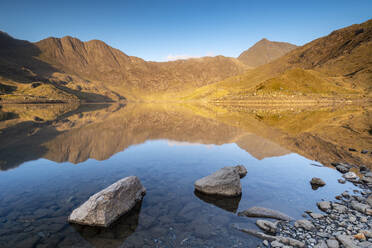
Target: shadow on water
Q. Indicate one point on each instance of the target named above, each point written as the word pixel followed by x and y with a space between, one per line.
pixel 116 234
pixel 230 204
pixel 29 136
pixel 5 116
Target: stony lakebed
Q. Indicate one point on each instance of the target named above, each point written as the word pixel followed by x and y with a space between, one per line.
pixel 344 222
pixel 201 202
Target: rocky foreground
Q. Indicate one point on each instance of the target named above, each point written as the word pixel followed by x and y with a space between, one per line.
pixel 345 222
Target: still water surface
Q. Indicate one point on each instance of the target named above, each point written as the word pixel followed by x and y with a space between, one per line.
pixel 37 196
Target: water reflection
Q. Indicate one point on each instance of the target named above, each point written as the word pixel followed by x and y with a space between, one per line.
pixel 116 234
pixel 98 132
pixel 4 116
pixel 230 204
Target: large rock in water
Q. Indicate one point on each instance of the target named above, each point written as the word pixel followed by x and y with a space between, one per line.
pixel 104 207
pixel 224 182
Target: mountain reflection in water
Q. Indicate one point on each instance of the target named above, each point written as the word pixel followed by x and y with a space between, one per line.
pixel 69 133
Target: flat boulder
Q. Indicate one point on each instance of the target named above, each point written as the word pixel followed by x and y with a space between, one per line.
pixel 291 242
pixel 305 224
pixel 360 207
pixel 316 215
pixel 350 176
pixel 339 208
pixel 264 213
pixel 343 169
pixel 224 182
pixel 324 205
pixel 106 206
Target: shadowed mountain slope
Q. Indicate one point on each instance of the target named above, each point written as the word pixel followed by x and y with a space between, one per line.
pixel 264 52
pixel 94 67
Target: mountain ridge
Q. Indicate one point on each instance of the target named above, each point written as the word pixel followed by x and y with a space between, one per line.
pixel 265 51
pixel 93 71
pixel 94 66
pixel 342 59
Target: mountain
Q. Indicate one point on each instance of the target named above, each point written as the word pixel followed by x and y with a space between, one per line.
pixel 95 71
pixel 337 65
pixel 68 69
pixel 264 52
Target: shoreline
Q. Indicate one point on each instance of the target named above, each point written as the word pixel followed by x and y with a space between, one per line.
pixel 253 100
pixel 344 222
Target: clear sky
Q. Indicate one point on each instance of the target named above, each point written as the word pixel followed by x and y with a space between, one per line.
pixel 160 30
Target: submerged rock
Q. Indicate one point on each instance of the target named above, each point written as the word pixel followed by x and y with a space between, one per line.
pixel 317 182
pixel 104 207
pixel 241 170
pixel 264 213
pixel 255 233
pixel 225 182
pixel 342 181
pixel 267 226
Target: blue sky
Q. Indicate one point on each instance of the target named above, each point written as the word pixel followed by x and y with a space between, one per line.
pixel 162 30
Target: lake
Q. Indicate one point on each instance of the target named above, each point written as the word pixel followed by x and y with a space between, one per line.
pixel 53 157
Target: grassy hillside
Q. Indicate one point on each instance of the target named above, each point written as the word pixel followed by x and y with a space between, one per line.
pixel 32 92
pixel 298 81
pixel 338 64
